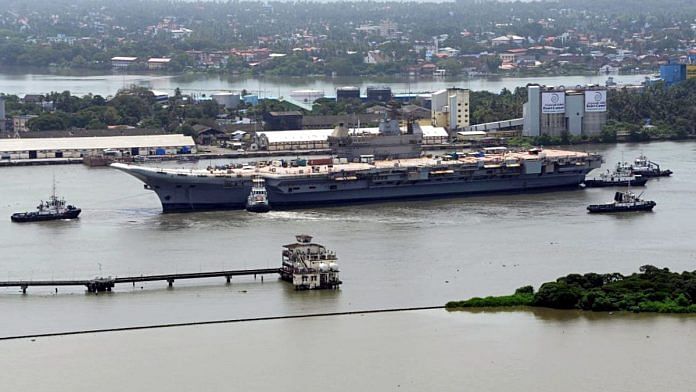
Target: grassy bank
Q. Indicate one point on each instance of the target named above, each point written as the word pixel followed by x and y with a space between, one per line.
pixel 651 290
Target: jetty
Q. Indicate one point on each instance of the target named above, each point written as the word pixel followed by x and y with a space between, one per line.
pixel 102 284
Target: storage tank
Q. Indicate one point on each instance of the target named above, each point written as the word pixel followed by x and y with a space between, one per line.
pixel 228 100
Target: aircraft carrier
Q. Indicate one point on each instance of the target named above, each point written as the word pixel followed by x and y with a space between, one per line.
pixel 367 167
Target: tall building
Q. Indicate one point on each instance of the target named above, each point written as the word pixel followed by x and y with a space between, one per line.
pixel 450 109
pixel 580 111
pixel 672 73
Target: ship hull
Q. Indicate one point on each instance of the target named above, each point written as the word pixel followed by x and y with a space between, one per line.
pixel 200 193
pixel 28 217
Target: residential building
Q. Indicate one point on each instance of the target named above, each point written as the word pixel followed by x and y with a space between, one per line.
pixel 19 123
pixel 450 109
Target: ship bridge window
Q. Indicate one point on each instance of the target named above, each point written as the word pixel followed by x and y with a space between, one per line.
pixel 333 187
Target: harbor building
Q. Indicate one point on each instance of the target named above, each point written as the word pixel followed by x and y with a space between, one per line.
pixel 553 111
pixel 450 109
pixel 78 147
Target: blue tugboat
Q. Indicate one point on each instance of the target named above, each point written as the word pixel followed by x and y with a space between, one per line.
pixel 53 209
pixel 624 202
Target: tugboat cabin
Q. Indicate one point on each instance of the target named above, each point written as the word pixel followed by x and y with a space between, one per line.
pixel 309 265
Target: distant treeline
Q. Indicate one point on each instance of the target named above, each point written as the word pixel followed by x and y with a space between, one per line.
pixel 652 290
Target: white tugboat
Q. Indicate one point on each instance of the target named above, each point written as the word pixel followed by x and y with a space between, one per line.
pixel 257 201
pixel 309 265
pixel 647 168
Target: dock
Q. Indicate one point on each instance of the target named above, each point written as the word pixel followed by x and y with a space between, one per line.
pixel 102 284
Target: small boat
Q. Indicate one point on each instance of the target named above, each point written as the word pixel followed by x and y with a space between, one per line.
pixel 53 209
pixel 257 201
pixel 624 202
pixel 619 177
pixel 646 168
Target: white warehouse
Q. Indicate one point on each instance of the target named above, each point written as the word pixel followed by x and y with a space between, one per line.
pixel 76 147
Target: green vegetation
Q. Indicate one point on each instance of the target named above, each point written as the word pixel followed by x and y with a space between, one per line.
pixel 135 106
pixel 651 290
pixel 524 296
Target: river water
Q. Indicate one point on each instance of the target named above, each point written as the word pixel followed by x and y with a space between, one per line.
pixel 393 254
pixel 544 351
pixel 20 82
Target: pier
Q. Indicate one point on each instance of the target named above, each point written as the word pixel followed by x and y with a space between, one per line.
pixel 100 284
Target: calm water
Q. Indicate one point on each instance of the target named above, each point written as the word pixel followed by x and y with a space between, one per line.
pixel 391 254
pixel 544 351
pixel 19 82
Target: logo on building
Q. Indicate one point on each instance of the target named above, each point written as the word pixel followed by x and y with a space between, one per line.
pixel 596 101
pixel 552 103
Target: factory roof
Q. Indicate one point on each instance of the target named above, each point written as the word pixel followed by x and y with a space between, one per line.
pixel 95 143
pixel 307 135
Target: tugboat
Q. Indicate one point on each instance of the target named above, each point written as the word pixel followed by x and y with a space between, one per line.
pixel 309 266
pixel 53 209
pixel 257 201
pixel 624 202
pixel 646 168
pixel 619 177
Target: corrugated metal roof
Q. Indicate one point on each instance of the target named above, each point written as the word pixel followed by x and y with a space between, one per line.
pixel 95 143
pixel 307 135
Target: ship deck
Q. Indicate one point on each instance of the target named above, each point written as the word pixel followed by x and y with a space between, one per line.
pixel 276 171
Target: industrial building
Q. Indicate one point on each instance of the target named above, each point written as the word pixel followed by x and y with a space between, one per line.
pixel 676 72
pixel 379 94
pixel 553 111
pixel 347 92
pixel 275 121
pixel 226 99
pixel 76 147
pixel 450 109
